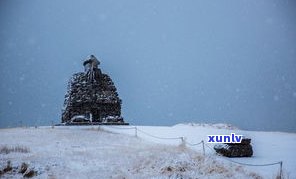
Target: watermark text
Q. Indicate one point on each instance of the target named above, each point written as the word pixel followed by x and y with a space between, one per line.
pixel 232 138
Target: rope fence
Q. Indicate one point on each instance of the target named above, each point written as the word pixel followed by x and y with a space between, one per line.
pixel 253 165
pixel 125 128
pixel 183 140
pixel 114 127
pixel 275 163
pixel 163 138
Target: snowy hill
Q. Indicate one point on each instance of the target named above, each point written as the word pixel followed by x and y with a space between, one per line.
pixel 156 152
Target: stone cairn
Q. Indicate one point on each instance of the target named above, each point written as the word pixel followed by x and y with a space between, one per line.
pixel 91 97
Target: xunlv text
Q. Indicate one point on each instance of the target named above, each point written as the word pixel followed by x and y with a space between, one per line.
pixel 232 138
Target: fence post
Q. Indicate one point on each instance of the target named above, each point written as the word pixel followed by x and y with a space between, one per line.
pixel 183 141
pixel 203 147
pixel 281 169
pixel 136 132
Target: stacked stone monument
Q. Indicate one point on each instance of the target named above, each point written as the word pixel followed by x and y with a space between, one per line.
pixel 91 97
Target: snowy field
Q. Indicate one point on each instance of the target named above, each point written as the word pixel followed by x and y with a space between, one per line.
pixel 115 152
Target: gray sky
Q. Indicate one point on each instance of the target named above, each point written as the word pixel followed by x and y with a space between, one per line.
pixel 172 61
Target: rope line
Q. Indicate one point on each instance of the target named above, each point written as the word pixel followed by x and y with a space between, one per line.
pixel 120 127
pixel 209 147
pixel 146 133
pixel 255 165
pixel 247 164
pixel 194 144
pixel 168 138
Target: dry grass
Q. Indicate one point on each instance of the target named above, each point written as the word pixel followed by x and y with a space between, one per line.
pixel 284 175
pixel 8 149
pixel 255 175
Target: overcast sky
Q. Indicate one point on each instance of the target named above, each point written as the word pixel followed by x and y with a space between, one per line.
pixel 172 61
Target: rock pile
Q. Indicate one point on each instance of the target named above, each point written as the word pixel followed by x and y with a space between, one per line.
pixel 10 171
pixel 91 97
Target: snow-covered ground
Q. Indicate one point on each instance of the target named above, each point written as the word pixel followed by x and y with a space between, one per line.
pixel 104 152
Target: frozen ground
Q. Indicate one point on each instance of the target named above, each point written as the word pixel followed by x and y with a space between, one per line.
pixel 86 152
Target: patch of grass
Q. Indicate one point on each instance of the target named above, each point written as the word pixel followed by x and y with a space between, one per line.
pixel 283 176
pixel 255 175
pixel 8 149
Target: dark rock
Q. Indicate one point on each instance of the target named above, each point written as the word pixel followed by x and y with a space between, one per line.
pixel 30 173
pixel 182 169
pixel 243 149
pixel 169 169
pixel 23 168
pixel 8 167
pixel 91 97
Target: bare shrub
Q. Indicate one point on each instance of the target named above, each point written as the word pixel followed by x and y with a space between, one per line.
pixel 255 175
pixel 199 158
pixel 283 176
pixel 8 167
pixel 8 149
pixel 216 168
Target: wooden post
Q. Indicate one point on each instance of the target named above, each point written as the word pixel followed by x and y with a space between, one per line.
pixel 203 147
pixel 281 169
pixel 183 141
pixel 136 132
